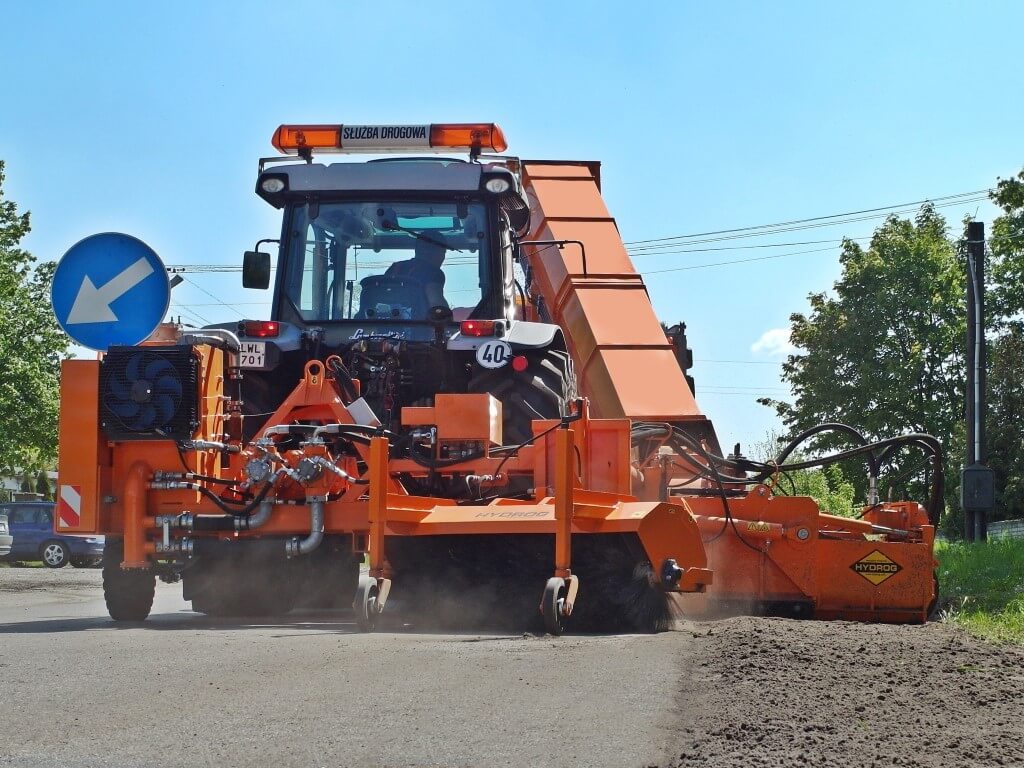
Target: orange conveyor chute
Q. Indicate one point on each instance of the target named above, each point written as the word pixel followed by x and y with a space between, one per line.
pixel 624 362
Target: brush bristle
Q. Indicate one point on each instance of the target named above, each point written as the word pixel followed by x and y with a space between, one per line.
pixel 496 582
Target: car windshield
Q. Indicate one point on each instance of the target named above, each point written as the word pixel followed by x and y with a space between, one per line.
pixel 385 260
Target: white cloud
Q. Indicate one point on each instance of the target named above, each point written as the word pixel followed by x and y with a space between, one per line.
pixel 773 343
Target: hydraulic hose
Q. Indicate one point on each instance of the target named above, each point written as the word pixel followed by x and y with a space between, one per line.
pixel 227 522
pixel 296 546
pixel 876 454
pixel 344 378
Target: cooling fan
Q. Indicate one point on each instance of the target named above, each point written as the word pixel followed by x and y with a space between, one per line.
pixel 149 393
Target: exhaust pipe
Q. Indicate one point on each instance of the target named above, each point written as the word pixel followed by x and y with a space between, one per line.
pixel 296 546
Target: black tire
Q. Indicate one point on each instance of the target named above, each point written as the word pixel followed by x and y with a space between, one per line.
pixel 543 391
pixel 127 592
pixel 54 554
pixel 364 605
pixel 551 606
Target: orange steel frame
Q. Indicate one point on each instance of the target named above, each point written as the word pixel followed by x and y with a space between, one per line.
pixel 384 509
pixel 767 549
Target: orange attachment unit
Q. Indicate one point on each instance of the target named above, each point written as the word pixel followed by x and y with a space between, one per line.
pixel 459 417
pixel 624 362
pixel 779 553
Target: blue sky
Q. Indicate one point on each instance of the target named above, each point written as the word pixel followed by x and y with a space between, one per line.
pixel 149 119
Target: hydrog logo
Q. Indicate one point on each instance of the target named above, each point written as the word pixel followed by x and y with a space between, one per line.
pixel 876 567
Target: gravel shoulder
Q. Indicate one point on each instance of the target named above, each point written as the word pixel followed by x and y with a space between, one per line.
pixel 67 579
pixel 776 692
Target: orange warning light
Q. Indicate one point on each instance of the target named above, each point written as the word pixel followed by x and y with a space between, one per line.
pixel 472 137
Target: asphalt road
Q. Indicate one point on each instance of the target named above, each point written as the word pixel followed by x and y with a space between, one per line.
pixel 181 689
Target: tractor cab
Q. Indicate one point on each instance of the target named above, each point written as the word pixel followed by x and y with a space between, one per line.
pixel 403 267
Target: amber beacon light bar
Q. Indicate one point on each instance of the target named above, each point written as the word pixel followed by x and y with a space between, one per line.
pixel 472 137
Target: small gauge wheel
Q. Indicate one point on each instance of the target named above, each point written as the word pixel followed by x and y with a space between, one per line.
pixel 552 606
pixel 365 604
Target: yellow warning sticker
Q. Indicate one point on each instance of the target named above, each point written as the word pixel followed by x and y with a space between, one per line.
pixel 876 567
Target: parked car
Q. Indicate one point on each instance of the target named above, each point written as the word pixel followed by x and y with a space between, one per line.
pixel 5 536
pixel 31 526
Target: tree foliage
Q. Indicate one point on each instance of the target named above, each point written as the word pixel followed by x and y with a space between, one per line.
pixel 1006 253
pixel 1005 418
pixel 31 347
pixel 883 352
pixel 828 486
pixel 1005 421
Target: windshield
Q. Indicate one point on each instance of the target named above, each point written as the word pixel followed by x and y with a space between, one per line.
pixel 387 260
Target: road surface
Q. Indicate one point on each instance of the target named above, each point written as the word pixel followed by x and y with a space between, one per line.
pixel 181 689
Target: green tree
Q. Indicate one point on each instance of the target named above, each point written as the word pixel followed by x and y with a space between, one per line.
pixel 1006 253
pixel 42 486
pixel 1005 421
pixel 31 348
pixel 884 353
pixel 827 486
pixel 1005 433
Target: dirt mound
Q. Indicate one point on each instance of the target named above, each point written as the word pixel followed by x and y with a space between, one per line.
pixel 777 692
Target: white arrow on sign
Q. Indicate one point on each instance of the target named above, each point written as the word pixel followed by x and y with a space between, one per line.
pixel 92 305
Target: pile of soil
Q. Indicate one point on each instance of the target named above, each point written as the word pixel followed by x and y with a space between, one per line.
pixel 778 692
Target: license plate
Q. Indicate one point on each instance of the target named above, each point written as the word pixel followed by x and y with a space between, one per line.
pixel 253 354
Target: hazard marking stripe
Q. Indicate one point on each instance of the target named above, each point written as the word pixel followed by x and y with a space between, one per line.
pixel 69 506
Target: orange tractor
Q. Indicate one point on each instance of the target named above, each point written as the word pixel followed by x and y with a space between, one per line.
pixel 462 382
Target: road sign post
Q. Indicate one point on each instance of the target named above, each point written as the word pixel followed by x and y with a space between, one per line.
pixel 110 289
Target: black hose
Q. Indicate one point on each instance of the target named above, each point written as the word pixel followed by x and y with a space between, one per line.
pixel 344 379
pixel 213 523
pixel 245 511
pixel 680 440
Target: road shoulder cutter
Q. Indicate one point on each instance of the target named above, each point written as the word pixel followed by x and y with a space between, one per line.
pixel 463 384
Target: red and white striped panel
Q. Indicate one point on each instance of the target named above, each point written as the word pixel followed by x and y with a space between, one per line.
pixel 69 506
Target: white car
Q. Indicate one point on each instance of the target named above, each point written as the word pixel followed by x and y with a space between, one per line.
pixel 6 540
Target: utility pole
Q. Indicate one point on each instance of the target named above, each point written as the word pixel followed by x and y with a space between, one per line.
pixel 977 481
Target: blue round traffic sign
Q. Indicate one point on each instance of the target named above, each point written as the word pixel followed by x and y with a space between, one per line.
pixel 110 289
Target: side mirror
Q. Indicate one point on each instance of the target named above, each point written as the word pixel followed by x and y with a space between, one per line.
pixel 256 270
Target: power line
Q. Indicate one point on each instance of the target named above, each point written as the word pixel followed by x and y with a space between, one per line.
pixel 704 392
pixel 236 304
pixel 742 390
pixel 657 250
pixel 735 261
pixel 191 313
pixel 960 198
pixel 216 298
pixel 819 225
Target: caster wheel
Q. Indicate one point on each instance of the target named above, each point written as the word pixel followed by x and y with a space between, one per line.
pixel 365 604
pixel 552 606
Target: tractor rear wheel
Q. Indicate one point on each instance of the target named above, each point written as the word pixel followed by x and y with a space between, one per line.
pixel 543 390
pixel 127 592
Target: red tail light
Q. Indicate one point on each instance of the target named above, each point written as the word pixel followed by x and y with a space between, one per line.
pixel 477 327
pixel 261 329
